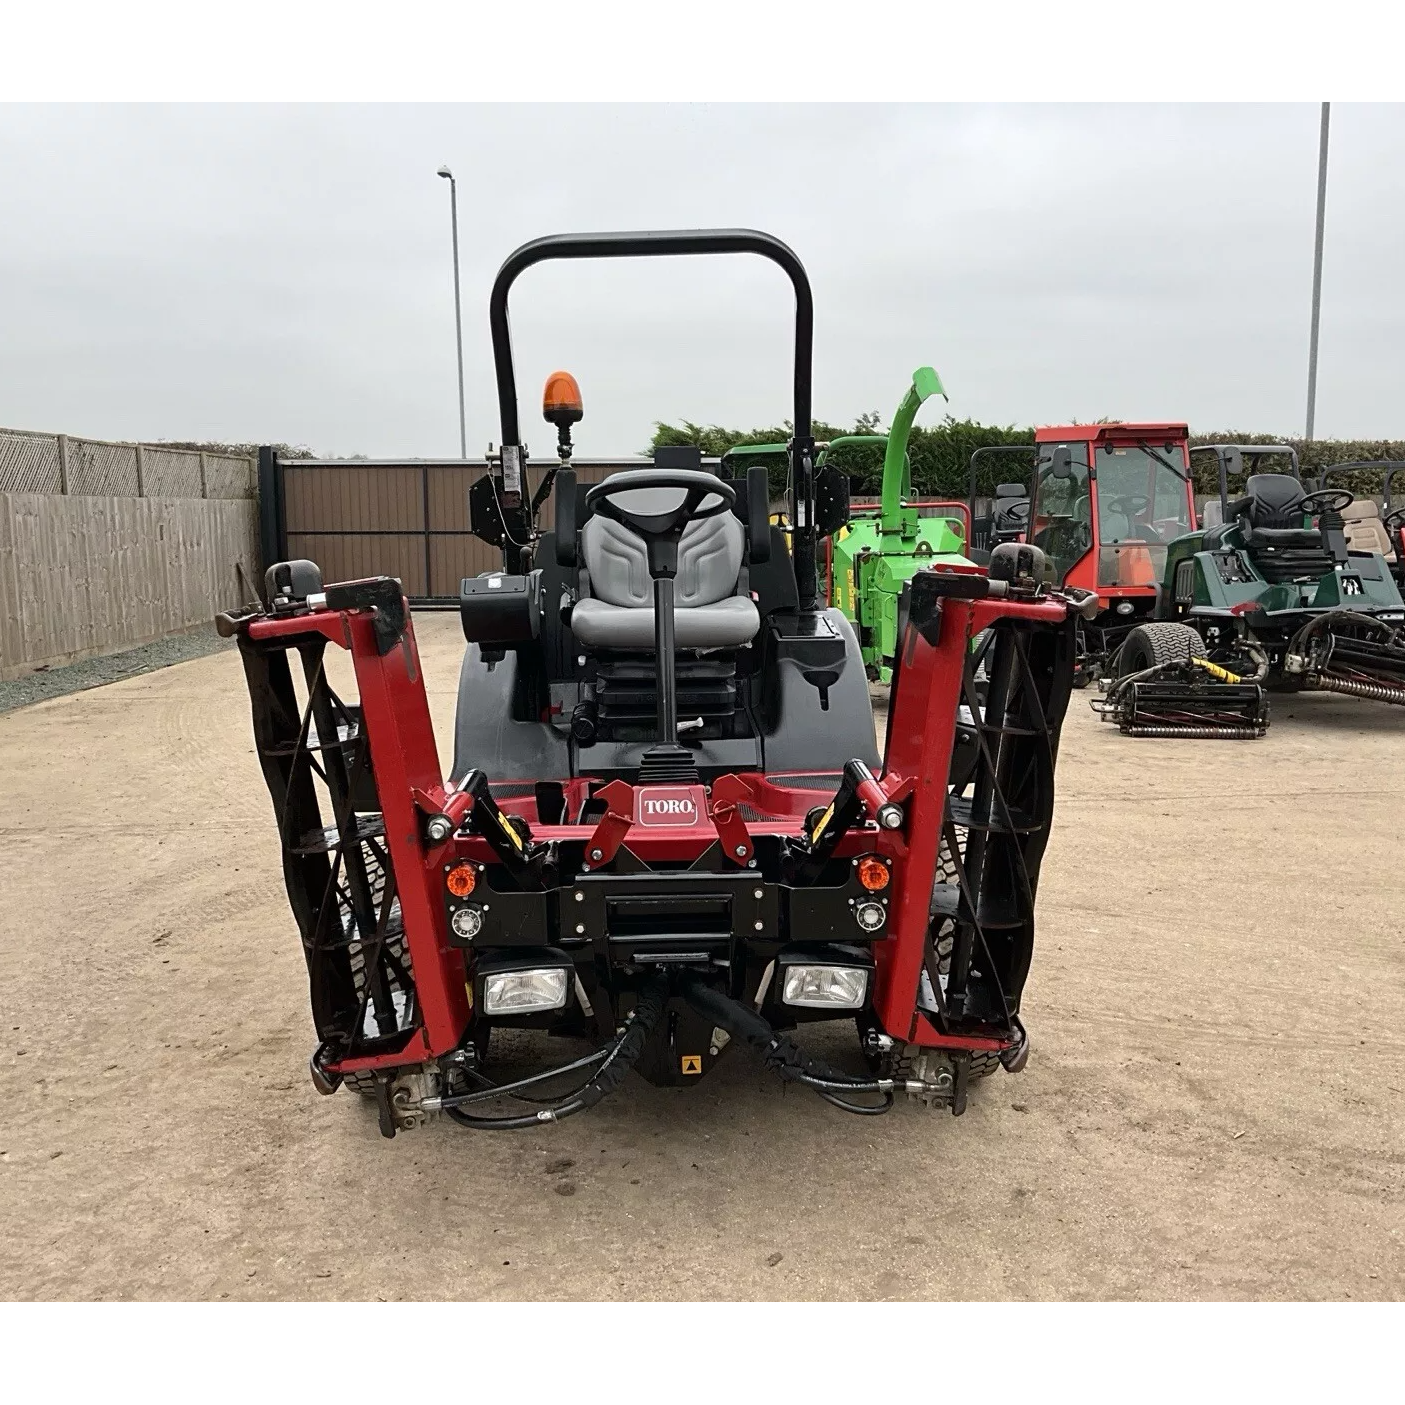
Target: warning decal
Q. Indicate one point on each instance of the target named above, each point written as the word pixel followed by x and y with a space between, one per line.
pixel 692 1063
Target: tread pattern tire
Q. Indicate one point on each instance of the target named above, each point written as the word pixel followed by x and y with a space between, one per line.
pixel 1151 644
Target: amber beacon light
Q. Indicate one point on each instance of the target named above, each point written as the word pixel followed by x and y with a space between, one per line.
pixel 561 400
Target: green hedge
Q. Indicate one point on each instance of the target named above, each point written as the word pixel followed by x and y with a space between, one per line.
pixel 941 454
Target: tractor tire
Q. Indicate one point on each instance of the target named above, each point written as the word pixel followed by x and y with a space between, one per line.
pixel 1149 645
pixel 983 1063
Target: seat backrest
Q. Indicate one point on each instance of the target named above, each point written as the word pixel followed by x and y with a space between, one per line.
pixel 1271 500
pixel 709 562
pixel 1212 514
pixel 1011 512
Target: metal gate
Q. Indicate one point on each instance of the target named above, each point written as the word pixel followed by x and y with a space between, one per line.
pixel 406 518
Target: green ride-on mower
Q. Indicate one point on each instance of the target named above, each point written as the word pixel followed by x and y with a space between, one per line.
pixel 1268 594
pixel 669 832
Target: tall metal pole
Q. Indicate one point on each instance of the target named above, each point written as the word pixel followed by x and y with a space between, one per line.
pixel 1317 272
pixel 458 315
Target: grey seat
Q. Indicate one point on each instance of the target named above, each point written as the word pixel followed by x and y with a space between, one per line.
pixel 1364 529
pixel 710 610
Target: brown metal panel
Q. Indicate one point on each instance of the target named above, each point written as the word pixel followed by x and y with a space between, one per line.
pixel 456 557
pixel 350 557
pixel 352 499
pixel 448 496
pixel 334 508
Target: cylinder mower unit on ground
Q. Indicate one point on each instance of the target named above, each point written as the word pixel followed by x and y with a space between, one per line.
pixel 667 829
pixel 1268 594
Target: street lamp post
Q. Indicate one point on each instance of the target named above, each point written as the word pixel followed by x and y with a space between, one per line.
pixel 458 317
pixel 1317 271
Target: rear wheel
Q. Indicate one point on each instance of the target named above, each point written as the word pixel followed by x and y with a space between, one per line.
pixel 1150 645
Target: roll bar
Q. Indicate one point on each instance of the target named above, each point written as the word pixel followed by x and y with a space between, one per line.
pixel 1389 467
pixel 651 244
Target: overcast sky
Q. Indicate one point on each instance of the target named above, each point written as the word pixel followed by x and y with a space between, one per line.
pixel 284 273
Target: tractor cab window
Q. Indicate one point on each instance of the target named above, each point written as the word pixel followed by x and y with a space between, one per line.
pixel 1060 516
pixel 1142 505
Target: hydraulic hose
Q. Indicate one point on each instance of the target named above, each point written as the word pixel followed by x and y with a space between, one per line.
pixel 616 1059
pixel 782 1055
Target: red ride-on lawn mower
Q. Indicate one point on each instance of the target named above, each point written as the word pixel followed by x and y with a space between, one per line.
pixel 667 830
pixel 1107 500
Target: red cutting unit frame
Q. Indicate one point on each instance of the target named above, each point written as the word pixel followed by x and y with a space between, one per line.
pixel 921 737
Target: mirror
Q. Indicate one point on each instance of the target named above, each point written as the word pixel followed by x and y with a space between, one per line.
pixel 1233 462
pixel 1061 462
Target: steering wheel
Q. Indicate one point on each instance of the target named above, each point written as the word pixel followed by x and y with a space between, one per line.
pixel 1395 518
pixel 1131 504
pixel 1016 511
pixel 1327 500
pixel 661 530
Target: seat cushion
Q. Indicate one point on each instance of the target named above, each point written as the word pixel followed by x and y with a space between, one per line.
pixel 727 624
pixel 1296 538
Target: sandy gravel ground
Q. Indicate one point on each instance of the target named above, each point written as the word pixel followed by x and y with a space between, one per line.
pixel 1213 1107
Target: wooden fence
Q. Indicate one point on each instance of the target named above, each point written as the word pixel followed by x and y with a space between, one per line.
pixel 81 576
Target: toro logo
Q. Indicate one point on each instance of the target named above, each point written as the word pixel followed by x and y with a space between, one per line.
pixel 663 806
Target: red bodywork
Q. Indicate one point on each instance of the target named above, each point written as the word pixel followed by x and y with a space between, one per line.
pixel 1141 579
pixel 681 822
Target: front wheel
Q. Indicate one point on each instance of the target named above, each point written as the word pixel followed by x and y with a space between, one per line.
pixel 1151 645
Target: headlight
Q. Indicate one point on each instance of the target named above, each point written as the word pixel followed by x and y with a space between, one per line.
pixel 1125 607
pixel 522 992
pixel 825 987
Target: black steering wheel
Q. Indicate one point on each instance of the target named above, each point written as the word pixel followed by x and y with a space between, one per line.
pixel 1395 518
pixel 1130 504
pixel 1327 500
pixel 1015 510
pixel 661 530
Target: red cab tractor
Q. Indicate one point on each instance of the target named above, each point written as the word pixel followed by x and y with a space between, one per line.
pixel 1106 501
pixel 668 830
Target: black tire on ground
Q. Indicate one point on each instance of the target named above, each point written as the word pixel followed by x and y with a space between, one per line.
pixel 1151 644
pixel 984 1062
